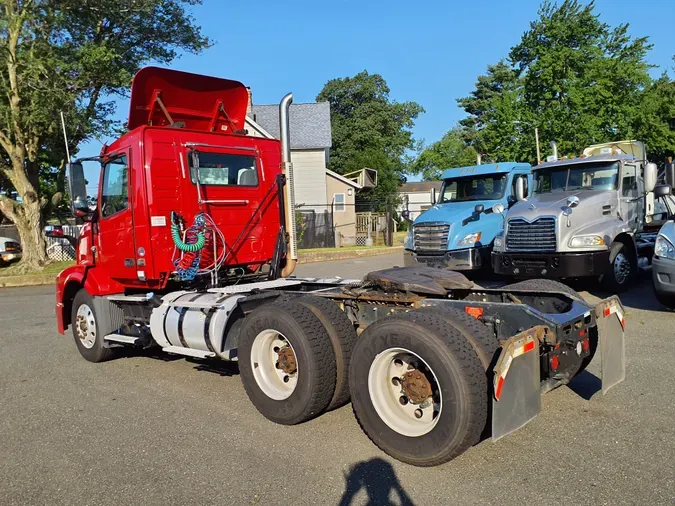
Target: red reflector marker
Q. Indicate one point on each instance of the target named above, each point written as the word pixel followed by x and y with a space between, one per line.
pixel 476 312
pixel 587 344
pixel 555 362
pixel 607 311
pixel 582 332
pixel 528 347
pixel 498 391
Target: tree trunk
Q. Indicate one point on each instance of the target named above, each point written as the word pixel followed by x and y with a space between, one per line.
pixel 27 216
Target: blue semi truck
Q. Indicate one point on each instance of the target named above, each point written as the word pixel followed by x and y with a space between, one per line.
pixel 458 231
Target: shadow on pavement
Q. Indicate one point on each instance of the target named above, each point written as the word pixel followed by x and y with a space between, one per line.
pixel 640 296
pixel 585 385
pixel 378 479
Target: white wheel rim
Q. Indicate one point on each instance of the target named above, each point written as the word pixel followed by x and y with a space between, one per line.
pixel 407 418
pixel 275 382
pixel 85 326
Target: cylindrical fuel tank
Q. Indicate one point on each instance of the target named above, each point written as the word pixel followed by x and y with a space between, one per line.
pixel 193 320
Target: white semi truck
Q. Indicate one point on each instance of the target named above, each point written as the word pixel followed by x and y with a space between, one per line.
pixel 592 216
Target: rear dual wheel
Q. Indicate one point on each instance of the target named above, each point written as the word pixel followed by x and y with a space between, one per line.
pixel 418 388
pixel 286 362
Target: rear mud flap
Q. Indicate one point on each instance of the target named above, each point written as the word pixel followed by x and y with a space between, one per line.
pixel 517 399
pixel 609 315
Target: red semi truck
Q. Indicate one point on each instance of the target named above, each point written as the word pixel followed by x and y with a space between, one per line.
pixel 190 247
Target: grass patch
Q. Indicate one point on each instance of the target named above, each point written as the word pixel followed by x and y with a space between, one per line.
pixel 52 268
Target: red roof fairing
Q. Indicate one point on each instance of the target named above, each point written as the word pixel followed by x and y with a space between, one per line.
pixel 161 96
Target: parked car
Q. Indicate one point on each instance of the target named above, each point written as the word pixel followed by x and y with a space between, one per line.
pixel 10 250
pixel 663 265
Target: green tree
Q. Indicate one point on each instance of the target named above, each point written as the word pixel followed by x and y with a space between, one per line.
pixel 72 56
pixel 574 77
pixel 451 151
pixel 654 121
pixel 369 129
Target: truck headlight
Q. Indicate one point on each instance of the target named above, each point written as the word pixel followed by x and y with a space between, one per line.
pixel 470 239
pixel 408 241
pixel 664 248
pixel 586 241
pixel 499 241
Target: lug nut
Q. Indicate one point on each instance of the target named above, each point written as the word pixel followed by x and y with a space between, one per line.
pixel 398 362
pixel 403 400
pixel 396 381
pixel 286 379
pixel 419 413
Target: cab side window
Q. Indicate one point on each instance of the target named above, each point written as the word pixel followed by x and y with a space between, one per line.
pixel 115 189
pixel 629 186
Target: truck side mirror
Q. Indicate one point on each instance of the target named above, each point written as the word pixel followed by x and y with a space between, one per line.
pixel 405 214
pixel 662 190
pixel 77 188
pixel 520 189
pixel 432 196
pixel 651 174
pixel 479 208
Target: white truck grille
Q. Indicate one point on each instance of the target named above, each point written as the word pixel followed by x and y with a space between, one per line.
pixel 431 236
pixel 538 235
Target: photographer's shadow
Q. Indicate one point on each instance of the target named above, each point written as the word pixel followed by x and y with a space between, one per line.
pixel 378 479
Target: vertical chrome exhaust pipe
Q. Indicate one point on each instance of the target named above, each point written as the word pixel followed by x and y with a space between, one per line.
pixel 287 169
pixel 554 145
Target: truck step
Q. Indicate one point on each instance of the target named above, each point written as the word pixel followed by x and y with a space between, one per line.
pixel 119 338
pixel 189 352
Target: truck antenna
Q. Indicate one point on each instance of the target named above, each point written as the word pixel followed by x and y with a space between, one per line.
pixel 65 137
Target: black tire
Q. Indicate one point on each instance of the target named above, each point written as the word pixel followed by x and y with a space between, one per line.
pixel 97 352
pixel 313 353
pixel 619 253
pixel 479 336
pixel 459 372
pixel 342 337
pixel 544 285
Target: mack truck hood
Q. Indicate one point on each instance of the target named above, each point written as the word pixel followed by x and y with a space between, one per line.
pixel 455 213
pixel 164 97
pixel 596 214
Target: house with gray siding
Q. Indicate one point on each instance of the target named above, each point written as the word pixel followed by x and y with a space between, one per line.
pixel 310 146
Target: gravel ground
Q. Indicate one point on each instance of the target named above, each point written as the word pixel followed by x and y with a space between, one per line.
pixel 166 430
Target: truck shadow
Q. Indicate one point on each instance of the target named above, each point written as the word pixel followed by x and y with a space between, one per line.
pixel 378 478
pixel 585 385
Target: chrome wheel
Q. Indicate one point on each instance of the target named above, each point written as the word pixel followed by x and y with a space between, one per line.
pixel 274 364
pixel 405 392
pixel 85 326
pixel 621 268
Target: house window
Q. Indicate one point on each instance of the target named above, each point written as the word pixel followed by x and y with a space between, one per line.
pixel 339 202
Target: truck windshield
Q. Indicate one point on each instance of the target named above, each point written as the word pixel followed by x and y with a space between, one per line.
pixel 463 189
pixel 584 176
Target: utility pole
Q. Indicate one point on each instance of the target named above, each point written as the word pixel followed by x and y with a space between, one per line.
pixel 536 139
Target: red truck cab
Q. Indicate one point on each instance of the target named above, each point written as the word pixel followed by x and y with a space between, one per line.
pixel 187 152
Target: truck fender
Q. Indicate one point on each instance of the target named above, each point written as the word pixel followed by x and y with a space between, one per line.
pixel 627 241
pixel 68 283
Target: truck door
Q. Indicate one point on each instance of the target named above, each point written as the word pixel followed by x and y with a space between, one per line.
pixel 632 205
pixel 116 245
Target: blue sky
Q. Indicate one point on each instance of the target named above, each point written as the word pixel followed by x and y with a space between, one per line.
pixel 430 52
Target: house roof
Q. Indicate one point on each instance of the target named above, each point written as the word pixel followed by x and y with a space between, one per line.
pixel 343 179
pixel 309 123
pixel 418 187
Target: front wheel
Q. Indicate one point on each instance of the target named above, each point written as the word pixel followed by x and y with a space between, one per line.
pixel 621 270
pixel 418 388
pixel 88 329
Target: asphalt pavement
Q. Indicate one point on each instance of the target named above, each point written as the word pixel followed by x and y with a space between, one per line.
pixel 155 429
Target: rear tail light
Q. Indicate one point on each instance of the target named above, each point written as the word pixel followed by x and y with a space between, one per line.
pixel 555 362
